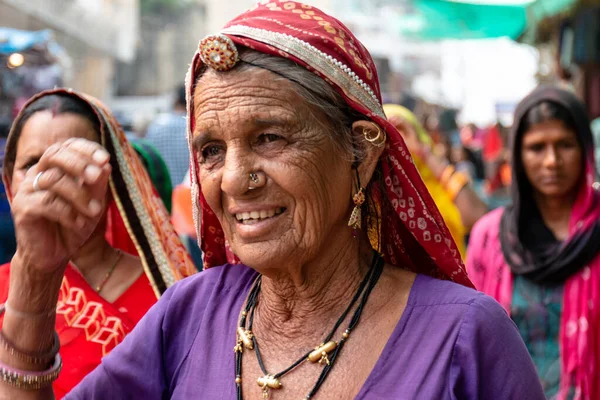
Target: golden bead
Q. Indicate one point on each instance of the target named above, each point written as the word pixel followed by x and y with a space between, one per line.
pixel 246 337
pixel 269 381
pixel 345 335
pixel 326 348
pixel 244 313
pixel 238 380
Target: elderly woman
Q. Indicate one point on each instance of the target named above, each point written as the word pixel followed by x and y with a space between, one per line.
pixel 540 257
pixel 322 245
pixel 117 273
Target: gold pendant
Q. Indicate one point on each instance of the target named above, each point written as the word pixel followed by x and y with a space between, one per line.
pixel 238 347
pixel 245 336
pixel 268 382
pixel 320 353
pixel 355 218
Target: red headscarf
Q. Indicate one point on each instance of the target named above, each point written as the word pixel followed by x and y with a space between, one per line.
pixel 413 233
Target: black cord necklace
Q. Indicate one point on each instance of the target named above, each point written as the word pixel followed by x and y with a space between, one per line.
pixel 326 353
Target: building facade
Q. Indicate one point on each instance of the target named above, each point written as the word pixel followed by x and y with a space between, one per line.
pixel 94 33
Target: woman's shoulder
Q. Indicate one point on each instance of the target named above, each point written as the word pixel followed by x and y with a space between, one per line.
pixel 464 336
pixel 189 300
pixel 477 316
pixel 483 335
pixel 484 242
pixel 457 302
pixel 219 281
pixel 428 291
pixel 489 222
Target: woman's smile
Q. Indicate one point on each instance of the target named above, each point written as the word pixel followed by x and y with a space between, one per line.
pixel 251 217
pixel 257 223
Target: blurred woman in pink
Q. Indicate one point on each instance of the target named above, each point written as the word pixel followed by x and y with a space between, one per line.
pixel 539 257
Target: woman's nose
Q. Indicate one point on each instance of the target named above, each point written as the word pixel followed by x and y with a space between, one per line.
pixel 552 157
pixel 236 171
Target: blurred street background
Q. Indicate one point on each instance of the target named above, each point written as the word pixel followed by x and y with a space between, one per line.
pixel 478 57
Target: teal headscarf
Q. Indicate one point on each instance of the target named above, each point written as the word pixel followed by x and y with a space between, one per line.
pixel 157 169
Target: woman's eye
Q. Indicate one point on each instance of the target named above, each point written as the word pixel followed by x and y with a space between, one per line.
pixel 210 151
pixel 268 138
pixel 566 145
pixel 27 166
pixel 536 148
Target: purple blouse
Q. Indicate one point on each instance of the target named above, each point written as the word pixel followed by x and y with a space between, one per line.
pixel 451 343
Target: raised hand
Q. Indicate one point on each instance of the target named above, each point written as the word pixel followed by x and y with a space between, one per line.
pixel 59 203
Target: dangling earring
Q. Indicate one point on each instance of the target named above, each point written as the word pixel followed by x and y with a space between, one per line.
pixel 356 216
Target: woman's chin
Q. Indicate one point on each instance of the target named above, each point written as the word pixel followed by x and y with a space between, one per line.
pixel 556 191
pixel 261 258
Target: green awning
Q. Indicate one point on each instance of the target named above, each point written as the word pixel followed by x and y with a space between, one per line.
pixel 543 9
pixel 476 19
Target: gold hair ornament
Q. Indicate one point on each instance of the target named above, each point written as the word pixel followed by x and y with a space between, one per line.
pixel 218 52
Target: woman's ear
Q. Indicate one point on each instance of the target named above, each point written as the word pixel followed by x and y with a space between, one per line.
pixel 372 139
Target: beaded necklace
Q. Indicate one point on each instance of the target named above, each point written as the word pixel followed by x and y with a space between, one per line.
pixel 326 353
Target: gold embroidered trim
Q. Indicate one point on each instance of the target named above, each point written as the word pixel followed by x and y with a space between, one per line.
pixel 149 232
pixel 338 72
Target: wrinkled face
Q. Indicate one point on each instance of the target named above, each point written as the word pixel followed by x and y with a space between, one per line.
pixel 552 158
pixel 41 131
pixel 254 121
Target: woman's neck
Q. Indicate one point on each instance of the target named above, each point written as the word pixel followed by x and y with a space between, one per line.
pixel 307 301
pixel 556 213
pixel 93 257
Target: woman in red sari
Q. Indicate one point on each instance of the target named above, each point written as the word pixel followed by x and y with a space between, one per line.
pixel 129 261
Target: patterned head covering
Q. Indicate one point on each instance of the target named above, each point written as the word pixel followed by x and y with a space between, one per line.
pixel 413 234
pixel 137 221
